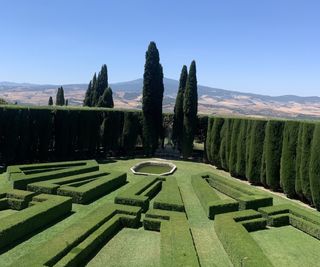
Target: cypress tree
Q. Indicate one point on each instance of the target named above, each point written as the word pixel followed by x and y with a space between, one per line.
pixel 215 141
pixel 248 142
pixel 263 174
pixel 100 85
pixel 314 173
pixel 256 150
pixel 67 102
pixel 273 141
pixel 152 100
pixel 223 144
pixel 88 96
pixel 50 102
pixel 60 97
pixel 307 135
pixel 228 141
pixel 209 139
pixel 241 149
pixel 298 183
pixel 233 147
pixel 177 130
pixel 106 100
pixel 190 109
pixel 288 158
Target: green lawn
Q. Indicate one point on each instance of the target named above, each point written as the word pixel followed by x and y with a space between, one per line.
pixel 137 247
pixel 288 246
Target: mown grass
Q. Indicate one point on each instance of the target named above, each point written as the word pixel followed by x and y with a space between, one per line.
pixel 209 248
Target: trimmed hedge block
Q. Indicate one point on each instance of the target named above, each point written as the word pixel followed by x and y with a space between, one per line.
pixel 177 246
pixel 303 220
pixel 76 243
pixel 140 193
pixel 237 242
pixel 30 219
pixel 169 197
pixel 22 178
pixel 245 195
pixel 210 201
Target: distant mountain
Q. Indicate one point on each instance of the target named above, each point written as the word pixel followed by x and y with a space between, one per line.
pixel 211 100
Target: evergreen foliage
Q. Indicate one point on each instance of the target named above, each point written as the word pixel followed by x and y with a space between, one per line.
pixel 307 135
pixel 256 150
pixel 233 147
pixel 100 85
pixel 298 182
pixel 190 110
pixel 60 97
pixel 248 142
pixel 177 130
pixel 288 158
pixel 273 140
pixel 89 93
pixel 315 168
pixel 50 102
pixel 217 124
pixel 152 100
pixel 223 144
pixel 106 100
pixel 241 150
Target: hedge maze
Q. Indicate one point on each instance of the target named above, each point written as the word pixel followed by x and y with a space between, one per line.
pixel 35 212
pixel 52 191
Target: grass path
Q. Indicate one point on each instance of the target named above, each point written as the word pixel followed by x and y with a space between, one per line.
pixel 130 247
pixel 285 246
pixel 209 248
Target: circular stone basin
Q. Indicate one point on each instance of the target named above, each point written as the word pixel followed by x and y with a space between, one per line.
pixel 154 168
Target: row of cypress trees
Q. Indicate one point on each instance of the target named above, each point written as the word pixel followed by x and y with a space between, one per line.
pixel 99 94
pixel 185 111
pixel 41 134
pixel 279 154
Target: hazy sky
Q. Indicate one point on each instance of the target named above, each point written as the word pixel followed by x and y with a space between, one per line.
pixel 262 46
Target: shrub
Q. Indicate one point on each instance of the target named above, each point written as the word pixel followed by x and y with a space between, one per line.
pixel 210 201
pixel 241 150
pixel 255 151
pixel 233 147
pixel 273 140
pixel 315 168
pixel 239 245
pixel 307 135
pixel 288 158
pixel 298 181
pixel 215 141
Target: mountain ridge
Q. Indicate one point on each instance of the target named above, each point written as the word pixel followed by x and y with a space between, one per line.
pixel 211 100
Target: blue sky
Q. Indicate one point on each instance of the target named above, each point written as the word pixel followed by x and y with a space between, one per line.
pixel 262 46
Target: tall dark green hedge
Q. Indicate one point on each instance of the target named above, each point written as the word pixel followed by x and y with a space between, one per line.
pixel 214 144
pixel 257 135
pixel 298 182
pixel 307 135
pixel 288 158
pixel 241 150
pixel 233 147
pixel 273 140
pixel 223 144
pixel 314 173
pixel 248 142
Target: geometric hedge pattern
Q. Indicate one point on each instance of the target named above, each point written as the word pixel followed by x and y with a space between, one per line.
pixel 43 193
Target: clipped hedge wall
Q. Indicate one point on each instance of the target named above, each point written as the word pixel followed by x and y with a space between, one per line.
pixel 30 134
pixel 279 154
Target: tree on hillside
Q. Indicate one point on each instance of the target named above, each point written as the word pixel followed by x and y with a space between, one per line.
pixel 106 100
pixel 177 129
pixel 88 97
pixel 100 86
pixel 190 110
pixel 152 99
pixel 60 97
pixel 50 102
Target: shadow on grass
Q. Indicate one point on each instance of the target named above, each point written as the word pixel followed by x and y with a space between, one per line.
pixel 28 236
